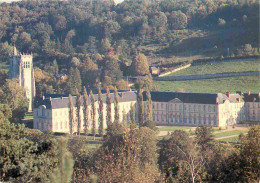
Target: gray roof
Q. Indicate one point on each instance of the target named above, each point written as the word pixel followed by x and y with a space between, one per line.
pixel 251 97
pixel 63 100
pixel 201 98
pixel 55 101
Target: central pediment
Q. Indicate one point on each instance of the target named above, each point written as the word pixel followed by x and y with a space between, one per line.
pixel 176 100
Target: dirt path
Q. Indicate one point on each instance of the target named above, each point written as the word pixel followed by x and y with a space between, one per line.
pixel 175 70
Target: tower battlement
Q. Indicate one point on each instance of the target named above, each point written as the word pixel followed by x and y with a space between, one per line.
pixel 21 67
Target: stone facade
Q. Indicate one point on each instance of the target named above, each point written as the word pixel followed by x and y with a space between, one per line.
pixel 169 108
pixel 53 113
pixel 21 67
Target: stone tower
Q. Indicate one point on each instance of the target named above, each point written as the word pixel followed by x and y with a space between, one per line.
pixel 21 67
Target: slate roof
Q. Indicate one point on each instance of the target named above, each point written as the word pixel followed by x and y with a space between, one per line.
pixel 251 97
pixel 201 98
pixel 55 101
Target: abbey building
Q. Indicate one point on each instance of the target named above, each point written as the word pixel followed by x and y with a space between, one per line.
pixel 169 108
pixel 21 67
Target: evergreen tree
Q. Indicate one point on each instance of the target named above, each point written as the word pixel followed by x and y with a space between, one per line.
pixel 108 105
pixel 140 108
pixel 132 117
pixel 101 114
pixel 71 114
pixel 124 118
pixel 92 98
pixel 78 104
pixel 149 112
pixel 55 66
pixel 116 105
pixel 74 81
pixel 64 172
pixel 85 111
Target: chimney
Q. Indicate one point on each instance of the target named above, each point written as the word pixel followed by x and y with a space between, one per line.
pixel 217 100
pixel 227 94
pixel 239 92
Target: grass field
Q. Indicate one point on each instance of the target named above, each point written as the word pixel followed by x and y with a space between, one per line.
pixel 229 133
pixel 230 139
pixel 234 66
pixel 232 84
pixel 224 135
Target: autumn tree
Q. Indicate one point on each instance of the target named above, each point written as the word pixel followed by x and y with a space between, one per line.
pixel 243 164
pixel 63 173
pixel 101 113
pixel 12 94
pixel 25 159
pixel 180 158
pixel 177 20
pixel 85 111
pixel 140 108
pixel 92 98
pixel 71 114
pixel 129 157
pixel 204 135
pixel 74 81
pixel 140 65
pixel 145 83
pixel 78 111
pixel 89 72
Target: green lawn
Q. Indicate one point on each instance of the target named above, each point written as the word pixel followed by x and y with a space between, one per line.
pixel 238 66
pixel 232 84
pixel 173 128
pixel 28 115
pixel 230 139
pixel 229 133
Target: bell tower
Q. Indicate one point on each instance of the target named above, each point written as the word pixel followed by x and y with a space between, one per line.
pixel 21 67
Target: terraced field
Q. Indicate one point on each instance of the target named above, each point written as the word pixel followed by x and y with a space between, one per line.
pixel 232 84
pixel 220 67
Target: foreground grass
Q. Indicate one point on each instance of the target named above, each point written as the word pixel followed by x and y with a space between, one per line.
pixel 232 84
pixel 221 67
pixel 173 128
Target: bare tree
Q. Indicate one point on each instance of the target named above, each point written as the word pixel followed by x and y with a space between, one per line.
pixel 193 158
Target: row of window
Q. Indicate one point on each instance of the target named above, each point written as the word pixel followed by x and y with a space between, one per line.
pixel 186 107
pixel 26 65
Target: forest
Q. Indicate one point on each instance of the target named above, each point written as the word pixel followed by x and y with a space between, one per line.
pixel 99 42
pixel 92 44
